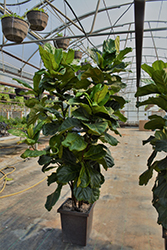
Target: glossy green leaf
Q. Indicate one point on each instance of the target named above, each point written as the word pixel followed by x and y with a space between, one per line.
pixel 148 69
pixel 95 152
pixel 110 139
pixel 159 101
pixel 146 90
pixel 84 178
pixel 17 132
pixel 44 159
pixel 109 46
pixel 107 161
pixel 96 178
pixel 95 73
pixel 86 194
pixel 48 59
pixel 50 128
pixel 156 122
pixel 100 95
pixel 74 142
pixel 122 53
pixel 97 128
pixel 32 153
pixel 53 198
pixel 68 57
pixel 158 65
pixel 66 173
pixel 69 123
pixel 52 178
pixel 25 84
pixel 30 103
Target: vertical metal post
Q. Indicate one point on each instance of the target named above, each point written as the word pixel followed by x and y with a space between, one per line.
pixel 4 14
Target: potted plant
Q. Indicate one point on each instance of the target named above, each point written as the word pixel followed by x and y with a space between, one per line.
pixel 157 88
pixel 37 18
pixel 78 54
pixel 61 43
pixel 76 149
pixel 14 27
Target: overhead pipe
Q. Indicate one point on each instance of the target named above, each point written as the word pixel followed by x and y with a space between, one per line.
pixel 82 36
pixel 139 7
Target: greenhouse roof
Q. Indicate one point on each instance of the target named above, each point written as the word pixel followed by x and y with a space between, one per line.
pixel 139 24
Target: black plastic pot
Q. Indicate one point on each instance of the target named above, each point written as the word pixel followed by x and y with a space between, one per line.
pixel 12 96
pixel 76 226
pixel 37 19
pixel 17 91
pixel 14 28
pixel 164 235
pixel 62 43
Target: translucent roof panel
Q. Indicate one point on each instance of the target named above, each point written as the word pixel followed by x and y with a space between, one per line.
pixel 88 24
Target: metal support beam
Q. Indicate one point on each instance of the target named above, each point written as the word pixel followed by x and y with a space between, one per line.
pixel 139 6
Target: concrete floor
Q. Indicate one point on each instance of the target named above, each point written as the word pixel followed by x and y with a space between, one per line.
pixel 124 218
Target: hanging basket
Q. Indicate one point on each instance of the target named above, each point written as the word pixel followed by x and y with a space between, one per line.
pixel 14 28
pixel 62 43
pixel 38 20
pixel 78 54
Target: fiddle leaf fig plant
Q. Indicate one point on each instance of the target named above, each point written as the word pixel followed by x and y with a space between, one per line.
pixel 157 88
pixel 81 120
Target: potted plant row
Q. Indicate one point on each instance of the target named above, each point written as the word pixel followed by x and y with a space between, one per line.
pixel 15 28
pixel 77 149
pixel 156 90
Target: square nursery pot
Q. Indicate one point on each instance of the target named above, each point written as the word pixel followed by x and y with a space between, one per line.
pixel 38 20
pixel 76 226
pixel 14 28
pixel 62 43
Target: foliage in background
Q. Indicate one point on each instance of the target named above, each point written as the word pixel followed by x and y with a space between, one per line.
pixel 76 150
pixel 157 86
pixel 11 123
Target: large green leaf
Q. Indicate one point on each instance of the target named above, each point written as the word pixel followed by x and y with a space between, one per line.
pixel 81 114
pixel 32 153
pixel 107 161
pixel 53 198
pixel 97 128
pixel 69 123
pixel 86 194
pixel 96 179
pixel 66 173
pixel 44 159
pixel 48 59
pixel 159 64
pixel 95 55
pixel 74 142
pixel 30 103
pixel 146 176
pixel 17 132
pixel 50 128
pixel 162 164
pixel 84 178
pixel 95 152
pixel 25 84
pixel 110 139
pixel 160 141
pixel 95 73
pixel 159 101
pixel 160 198
pixel 123 52
pixel 147 69
pixel 109 46
pixel 100 95
pixel 52 178
pixel 68 57
pixel 156 122
pixel 146 90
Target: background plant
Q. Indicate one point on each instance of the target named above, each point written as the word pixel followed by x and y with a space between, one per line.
pixel 157 86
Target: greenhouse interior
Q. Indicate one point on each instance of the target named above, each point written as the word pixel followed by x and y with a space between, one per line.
pixel 83 102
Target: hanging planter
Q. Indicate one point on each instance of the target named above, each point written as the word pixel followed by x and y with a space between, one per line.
pixel 38 19
pixel 78 54
pixel 62 43
pixel 14 28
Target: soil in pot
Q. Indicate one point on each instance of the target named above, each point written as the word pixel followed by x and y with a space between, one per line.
pixel 76 226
